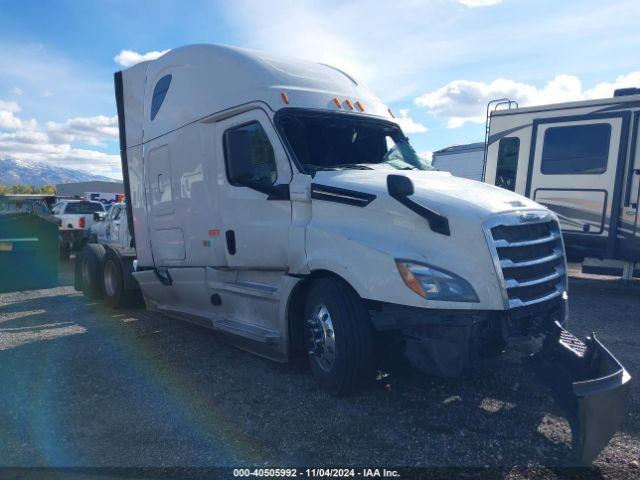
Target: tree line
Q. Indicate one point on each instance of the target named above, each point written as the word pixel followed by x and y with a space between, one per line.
pixel 29 189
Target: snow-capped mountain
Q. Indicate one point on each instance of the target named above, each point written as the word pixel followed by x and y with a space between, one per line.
pixel 27 172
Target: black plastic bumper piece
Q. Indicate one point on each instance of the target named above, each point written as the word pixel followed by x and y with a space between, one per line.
pixel 589 384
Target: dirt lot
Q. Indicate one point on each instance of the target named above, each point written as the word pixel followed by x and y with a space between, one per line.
pixel 85 386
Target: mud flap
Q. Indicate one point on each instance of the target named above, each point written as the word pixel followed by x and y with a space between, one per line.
pixel 589 384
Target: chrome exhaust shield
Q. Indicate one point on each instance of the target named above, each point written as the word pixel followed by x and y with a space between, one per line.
pixel 589 384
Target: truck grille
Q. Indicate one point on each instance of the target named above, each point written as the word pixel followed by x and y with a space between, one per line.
pixel 530 257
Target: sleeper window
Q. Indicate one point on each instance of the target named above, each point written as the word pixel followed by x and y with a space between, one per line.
pixel 159 92
pixel 576 149
pixel 249 156
pixel 507 165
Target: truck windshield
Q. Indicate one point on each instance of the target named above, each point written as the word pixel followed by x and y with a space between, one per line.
pixel 333 141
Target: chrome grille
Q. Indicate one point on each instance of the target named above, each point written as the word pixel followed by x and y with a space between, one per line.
pixel 529 257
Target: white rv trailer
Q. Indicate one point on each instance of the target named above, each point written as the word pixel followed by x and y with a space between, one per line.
pixel 464 161
pixel 581 160
pixel 278 201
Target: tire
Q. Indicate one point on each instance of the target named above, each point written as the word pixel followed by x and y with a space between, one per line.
pixel 65 252
pixel 91 262
pixel 115 295
pixel 77 272
pixel 347 330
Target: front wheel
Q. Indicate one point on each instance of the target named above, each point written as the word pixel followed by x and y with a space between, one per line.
pixel 338 336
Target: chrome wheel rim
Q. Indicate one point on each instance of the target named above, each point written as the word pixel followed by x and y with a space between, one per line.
pixel 110 279
pixel 321 338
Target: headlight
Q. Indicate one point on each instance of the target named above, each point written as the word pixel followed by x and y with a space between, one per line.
pixel 435 284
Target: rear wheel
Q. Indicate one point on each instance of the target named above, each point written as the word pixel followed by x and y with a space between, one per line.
pixel 65 252
pixel 338 336
pixel 91 261
pixel 115 294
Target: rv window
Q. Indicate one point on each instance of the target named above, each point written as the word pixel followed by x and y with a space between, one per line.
pixel 507 165
pixel 159 92
pixel 249 156
pixel 576 149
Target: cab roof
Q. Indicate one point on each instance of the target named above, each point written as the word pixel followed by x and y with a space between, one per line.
pixel 192 82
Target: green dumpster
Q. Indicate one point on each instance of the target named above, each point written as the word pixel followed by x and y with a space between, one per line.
pixel 28 252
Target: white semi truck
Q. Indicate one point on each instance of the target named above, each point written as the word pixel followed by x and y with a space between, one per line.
pixel 279 201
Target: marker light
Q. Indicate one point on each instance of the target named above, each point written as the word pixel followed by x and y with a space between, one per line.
pixel 285 97
pixel 337 102
pixel 359 105
pixel 349 104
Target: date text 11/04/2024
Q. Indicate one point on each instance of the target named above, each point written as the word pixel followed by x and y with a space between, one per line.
pixel 317 472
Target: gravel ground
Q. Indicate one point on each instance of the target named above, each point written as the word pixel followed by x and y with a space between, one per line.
pixel 81 385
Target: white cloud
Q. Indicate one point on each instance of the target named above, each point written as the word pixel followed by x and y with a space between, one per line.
pixel 90 130
pixel 478 3
pixel 17 91
pixel 54 142
pixel 408 124
pixel 605 89
pixel 462 101
pixel 9 106
pixel 128 58
pixel 8 118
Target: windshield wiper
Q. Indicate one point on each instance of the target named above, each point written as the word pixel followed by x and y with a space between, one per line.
pixel 354 166
pixel 345 166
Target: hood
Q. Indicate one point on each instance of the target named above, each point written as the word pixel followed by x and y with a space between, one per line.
pixel 438 191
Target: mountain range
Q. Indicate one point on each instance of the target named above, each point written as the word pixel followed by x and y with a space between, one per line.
pixel 27 172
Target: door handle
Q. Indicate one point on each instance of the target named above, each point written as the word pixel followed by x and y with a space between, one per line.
pixel 159 184
pixel 231 241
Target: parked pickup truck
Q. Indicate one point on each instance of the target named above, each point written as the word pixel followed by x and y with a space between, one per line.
pixel 104 268
pixel 110 229
pixel 75 216
pixel 279 201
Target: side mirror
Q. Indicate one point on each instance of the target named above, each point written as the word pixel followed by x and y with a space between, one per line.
pixel 399 186
pixel 98 216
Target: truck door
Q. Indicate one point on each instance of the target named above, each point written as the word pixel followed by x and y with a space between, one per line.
pixel 115 225
pixel 167 239
pixel 253 187
pixel 576 169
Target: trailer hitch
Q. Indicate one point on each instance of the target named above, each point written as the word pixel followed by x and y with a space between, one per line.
pixel 589 384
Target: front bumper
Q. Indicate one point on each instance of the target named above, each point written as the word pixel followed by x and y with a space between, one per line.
pixel 589 384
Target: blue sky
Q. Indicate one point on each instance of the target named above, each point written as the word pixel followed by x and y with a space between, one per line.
pixel 435 62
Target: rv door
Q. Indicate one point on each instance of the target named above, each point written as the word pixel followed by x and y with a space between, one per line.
pixel 576 168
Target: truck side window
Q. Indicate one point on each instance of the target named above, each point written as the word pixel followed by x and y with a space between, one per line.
pixel 576 149
pixel 249 156
pixel 507 165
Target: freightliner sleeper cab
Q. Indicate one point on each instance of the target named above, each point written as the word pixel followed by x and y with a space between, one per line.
pixel 279 201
